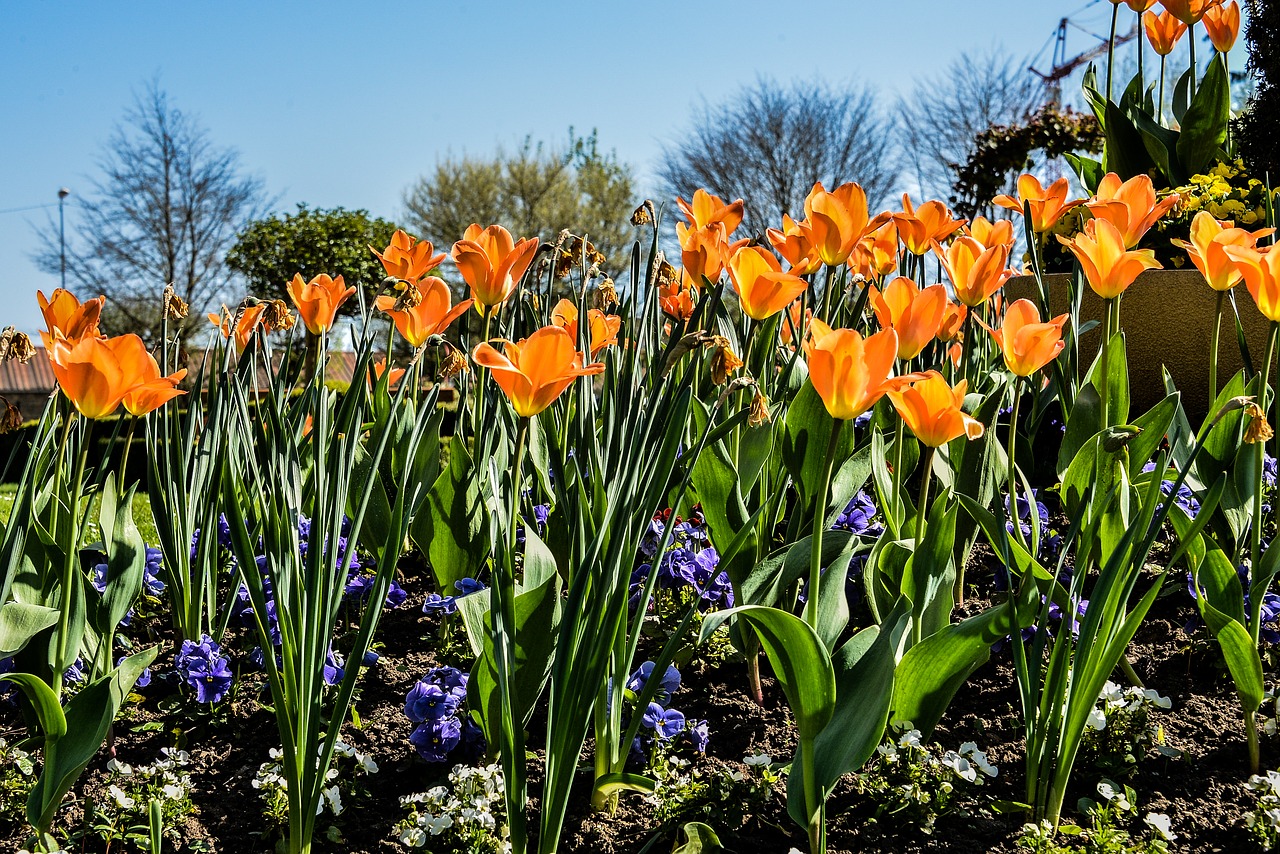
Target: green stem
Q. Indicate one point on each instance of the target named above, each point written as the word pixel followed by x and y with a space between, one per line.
pixel 1255 526
pixel 1191 41
pixel 1103 372
pixel 967 352
pixel 1111 47
pixel 895 502
pixel 815 807
pixel 1160 102
pixel 1251 739
pixel 1213 349
pixel 70 566
pixel 477 414
pixel 922 507
pixel 1013 465
pixel 819 525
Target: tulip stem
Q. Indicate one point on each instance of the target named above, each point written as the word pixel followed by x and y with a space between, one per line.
pixel 899 439
pixel 1160 102
pixel 1213 349
pixel 1111 47
pixel 819 525
pixel 814 804
pixel 923 503
pixel 1191 42
pixel 477 414
pixel 70 565
pixel 1014 514
pixel 1255 525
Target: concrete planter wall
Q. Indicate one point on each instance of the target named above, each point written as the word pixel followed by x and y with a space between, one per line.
pixel 1167 316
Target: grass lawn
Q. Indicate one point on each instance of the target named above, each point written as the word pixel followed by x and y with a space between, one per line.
pixel 141 512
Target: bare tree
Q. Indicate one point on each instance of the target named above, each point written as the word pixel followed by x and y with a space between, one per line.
pixel 167 209
pixel 769 143
pixel 942 117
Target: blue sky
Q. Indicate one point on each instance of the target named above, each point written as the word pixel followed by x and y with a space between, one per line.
pixel 344 104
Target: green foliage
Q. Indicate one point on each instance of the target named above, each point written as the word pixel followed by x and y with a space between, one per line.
pixel 535 191
pixel 1260 125
pixel 336 241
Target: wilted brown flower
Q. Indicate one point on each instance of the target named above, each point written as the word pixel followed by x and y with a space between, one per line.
pixel 644 214
pixel 1257 430
pixel 409 296
pixel 759 413
pixel 452 363
pixel 723 360
pixel 666 275
pixel 11 420
pixel 606 294
pixel 15 345
pixel 277 316
pixel 174 305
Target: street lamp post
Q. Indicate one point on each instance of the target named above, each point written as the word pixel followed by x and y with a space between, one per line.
pixel 62 234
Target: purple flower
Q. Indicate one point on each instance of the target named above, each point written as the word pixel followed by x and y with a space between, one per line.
pixel 428 701
pixel 144 678
pixel 75 673
pixel 859 516
pixel 434 739
pixel 370 658
pixel 202 666
pixel 437 604
pixel 669 684
pixel 467 586
pixel 700 733
pixel 333 669
pixel 665 723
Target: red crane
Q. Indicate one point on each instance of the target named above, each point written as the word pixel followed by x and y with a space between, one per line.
pixel 1063 66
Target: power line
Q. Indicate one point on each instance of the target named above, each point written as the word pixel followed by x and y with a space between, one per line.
pixel 29 208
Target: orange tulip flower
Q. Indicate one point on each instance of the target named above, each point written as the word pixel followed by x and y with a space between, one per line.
pixel 249 320
pixel 988 233
pixel 793 242
pixel 914 313
pixel 763 289
pixel 953 315
pixel 1139 6
pixel 814 330
pixel 1222 23
pixel 933 410
pixel 66 315
pixel 603 327
pixel 678 298
pixel 876 255
pixel 97 374
pixel 318 301
pixel 837 220
pixel 1047 204
pixel 1027 344
pixel 1188 11
pixel 1164 31
pixel 408 259
pixel 432 316
pixel 976 272
pixel 535 371
pixel 1108 266
pixel 851 373
pixel 707 209
pixel 1208 238
pixel 1130 206
pixel 918 227
pixel 492 263
pixel 1261 272
pixel 380 368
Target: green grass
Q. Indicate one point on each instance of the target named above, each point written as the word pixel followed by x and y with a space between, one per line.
pixel 141 512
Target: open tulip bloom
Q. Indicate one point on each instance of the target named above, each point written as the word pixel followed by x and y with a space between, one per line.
pixel 492 262
pixel 533 372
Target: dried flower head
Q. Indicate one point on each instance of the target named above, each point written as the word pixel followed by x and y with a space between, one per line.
pixel 15 345
pixel 606 294
pixel 723 360
pixel 278 316
pixel 666 275
pixel 759 413
pixel 644 214
pixel 174 305
pixel 11 420
pixel 452 363
pixel 1257 430
pixel 409 296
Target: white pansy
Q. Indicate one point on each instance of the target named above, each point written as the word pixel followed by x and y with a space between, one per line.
pixel 910 738
pixel 1109 792
pixel 1154 697
pixel 121 797
pixel 1097 719
pixel 757 759
pixel 1160 822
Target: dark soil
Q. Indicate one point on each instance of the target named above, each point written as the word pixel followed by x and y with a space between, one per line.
pixel 1202 791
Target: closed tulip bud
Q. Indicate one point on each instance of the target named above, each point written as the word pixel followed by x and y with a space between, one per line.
pixel 1163 30
pixel 1189 11
pixel 1026 343
pixel 318 301
pixel 837 220
pixel 850 373
pixel 763 289
pixel 1222 23
pixel 915 314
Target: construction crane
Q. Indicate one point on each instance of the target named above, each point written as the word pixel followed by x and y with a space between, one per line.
pixel 1063 66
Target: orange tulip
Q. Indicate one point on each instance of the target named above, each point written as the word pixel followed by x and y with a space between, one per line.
pixel 952 325
pixel 380 368
pixel 918 227
pixel 707 209
pixel 408 259
pixel 534 372
pixel 976 272
pixel 703 251
pixel 851 373
pixel 876 255
pixel 1222 23
pixel 793 242
pixel 66 315
pixel 955 353
pixel 763 289
pixel 1208 237
pixel 837 220
pixel 1164 31
pixel 492 263
pixel 915 314
pixel 1188 11
pixel 814 330
pixel 432 316
pixel 933 410
pixel 249 320
pixel 1130 206
pixel 988 233
pixel 1027 344
pixel 97 374
pixel 1261 271
pixel 603 327
pixel 677 299
pixel 1139 6
pixel 318 301
pixel 1047 204
pixel 1108 266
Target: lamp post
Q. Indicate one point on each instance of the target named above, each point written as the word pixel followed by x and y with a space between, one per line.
pixel 63 192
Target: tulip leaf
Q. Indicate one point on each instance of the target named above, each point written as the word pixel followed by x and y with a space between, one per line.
pixel 1154 424
pixel 850 477
pixel 1220 445
pixel 612 784
pixel 1182 95
pixel 20 622
pixel 771 578
pixel 1083 423
pixel 716 480
pixel 698 839
pixel 1161 143
pixel 453 530
pixel 804 445
pixel 755 444
pixel 1204 126
pixel 126 557
pixel 928 579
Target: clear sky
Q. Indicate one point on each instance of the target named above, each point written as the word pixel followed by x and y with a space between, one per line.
pixel 346 104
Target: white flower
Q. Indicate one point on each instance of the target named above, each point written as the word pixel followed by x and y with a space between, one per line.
pixel 1112 693
pixel 413 837
pixel 1160 822
pixel 1153 697
pixel 961 766
pixel 910 738
pixel 757 759
pixel 367 763
pixel 1116 796
pixel 1097 720
pixel 172 792
pixel 121 768
pixel 970 750
pixel 276 753
pixel 888 751
pixel 332 796
pixel 439 824
pixel 125 802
